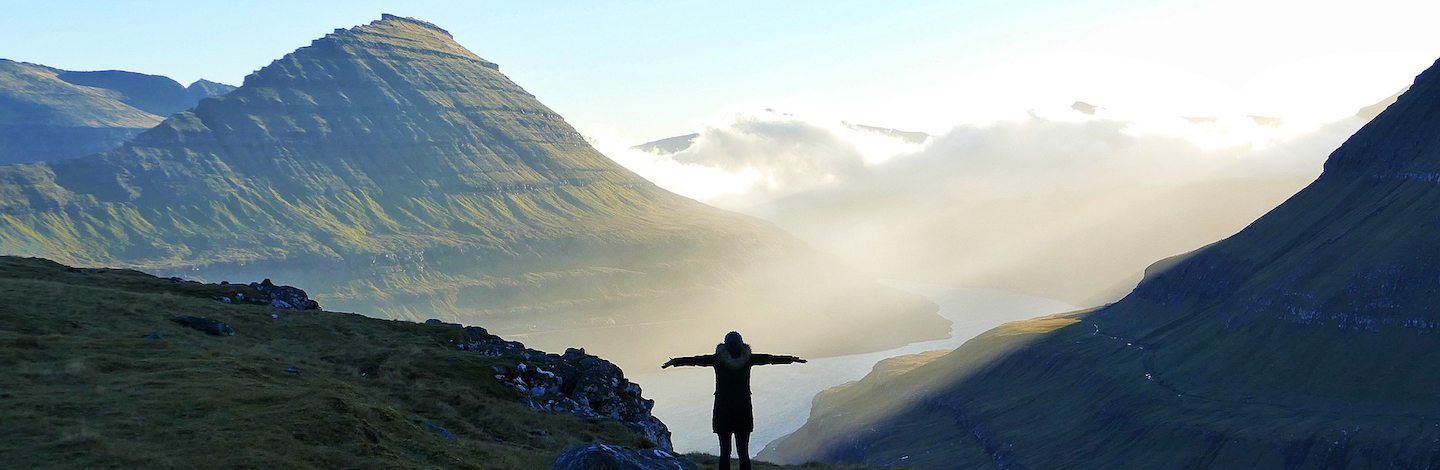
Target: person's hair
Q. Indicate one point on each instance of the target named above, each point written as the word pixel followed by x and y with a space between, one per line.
pixel 733 341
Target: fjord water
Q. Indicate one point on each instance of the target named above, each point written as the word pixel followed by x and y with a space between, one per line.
pixel 782 394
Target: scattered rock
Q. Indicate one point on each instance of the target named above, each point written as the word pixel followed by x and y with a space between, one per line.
pixel 211 327
pixel 287 297
pixel 439 431
pixel 573 383
pixel 608 457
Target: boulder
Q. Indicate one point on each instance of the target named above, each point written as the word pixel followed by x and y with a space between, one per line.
pixel 210 327
pixel 439 431
pixel 608 457
pixel 287 297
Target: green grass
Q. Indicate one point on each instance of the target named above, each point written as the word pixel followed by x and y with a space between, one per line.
pixel 83 390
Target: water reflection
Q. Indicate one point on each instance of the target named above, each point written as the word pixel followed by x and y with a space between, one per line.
pixel 683 397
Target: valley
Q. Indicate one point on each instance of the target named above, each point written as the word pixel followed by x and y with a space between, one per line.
pixel 783 394
pixel 380 251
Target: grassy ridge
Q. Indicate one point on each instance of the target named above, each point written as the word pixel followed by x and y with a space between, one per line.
pixel 84 390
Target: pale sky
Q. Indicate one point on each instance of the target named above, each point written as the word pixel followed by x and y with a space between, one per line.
pixel 647 70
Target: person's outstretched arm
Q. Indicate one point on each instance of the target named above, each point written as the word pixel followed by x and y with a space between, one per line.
pixel 764 359
pixel 707 360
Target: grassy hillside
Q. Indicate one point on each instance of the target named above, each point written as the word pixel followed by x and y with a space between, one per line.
pixel 84 388
pixel 395 173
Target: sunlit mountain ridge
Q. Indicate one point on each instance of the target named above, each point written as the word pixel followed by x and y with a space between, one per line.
pixel 392 172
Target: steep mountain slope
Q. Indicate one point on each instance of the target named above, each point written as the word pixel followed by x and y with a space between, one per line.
pixel 48 114
pixel 394 172
pixel 1303 341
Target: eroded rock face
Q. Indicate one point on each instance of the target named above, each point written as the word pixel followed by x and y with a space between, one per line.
pixel 608 457
pixel 574 383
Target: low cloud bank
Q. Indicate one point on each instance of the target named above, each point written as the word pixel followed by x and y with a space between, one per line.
pixel 1058 203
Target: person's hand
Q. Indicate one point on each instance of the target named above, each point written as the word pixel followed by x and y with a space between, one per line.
pixel 668 363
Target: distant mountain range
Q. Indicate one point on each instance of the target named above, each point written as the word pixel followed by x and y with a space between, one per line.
pixel 48 114
pixel 676 144
pixel 390 171
pixel 1303 341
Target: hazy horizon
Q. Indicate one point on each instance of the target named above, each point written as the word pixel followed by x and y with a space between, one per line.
pixel 643 70
pixel 852 182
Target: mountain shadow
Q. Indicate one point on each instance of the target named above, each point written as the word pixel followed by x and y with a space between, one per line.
pixel 1303 341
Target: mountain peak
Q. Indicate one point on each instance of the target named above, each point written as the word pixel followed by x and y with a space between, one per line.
pixel 371 91
pixel 1400 141
pixel 389 18
pixel 392 171
pixel 392 37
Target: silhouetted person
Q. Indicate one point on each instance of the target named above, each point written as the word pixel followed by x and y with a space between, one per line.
pixel 733 413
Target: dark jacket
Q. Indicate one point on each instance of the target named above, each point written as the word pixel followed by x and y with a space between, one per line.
pixel 733 412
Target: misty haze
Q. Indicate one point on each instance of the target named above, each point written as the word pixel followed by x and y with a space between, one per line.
pixel 1172 234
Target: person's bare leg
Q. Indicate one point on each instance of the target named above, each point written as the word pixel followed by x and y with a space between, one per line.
pixel 725 451
pixel 742 447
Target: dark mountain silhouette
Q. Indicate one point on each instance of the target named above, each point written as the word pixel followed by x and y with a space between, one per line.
pixel 394 172
pixel 1369 112
pixel 668 145
pixel 1303 341
pixel 48 114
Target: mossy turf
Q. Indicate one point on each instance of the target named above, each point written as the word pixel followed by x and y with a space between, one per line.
pixel 83 389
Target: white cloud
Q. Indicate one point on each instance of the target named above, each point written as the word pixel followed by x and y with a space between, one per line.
pixel 1054 202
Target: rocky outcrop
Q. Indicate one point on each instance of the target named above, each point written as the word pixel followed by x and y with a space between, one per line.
pixel 267 293
pixel 609 457
pixel 573 383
